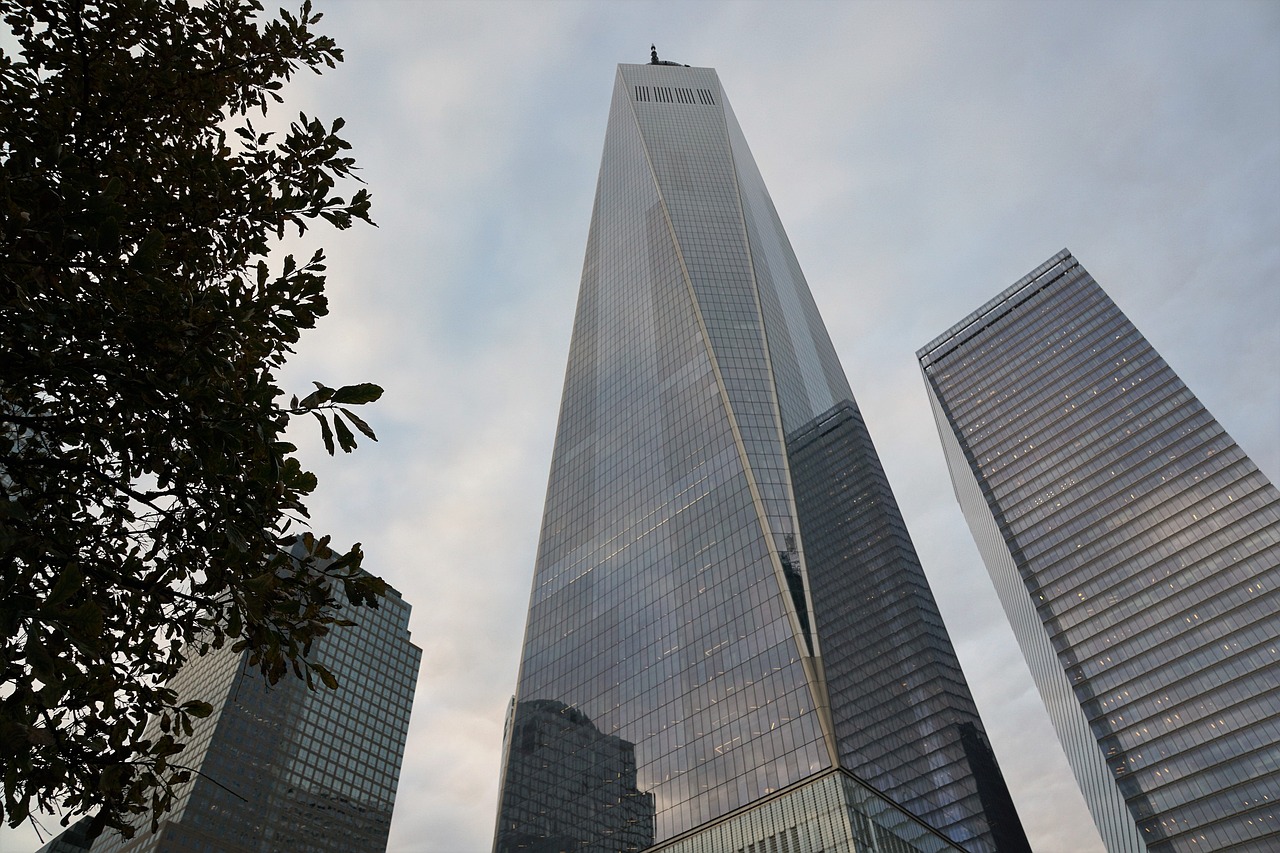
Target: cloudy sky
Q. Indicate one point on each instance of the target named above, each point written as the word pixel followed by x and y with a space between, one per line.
pixel 922 156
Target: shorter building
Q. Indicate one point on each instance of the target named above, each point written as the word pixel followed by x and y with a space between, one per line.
pixel 284 768
pixel 74 839
pixel 1136 550
pixel 563 774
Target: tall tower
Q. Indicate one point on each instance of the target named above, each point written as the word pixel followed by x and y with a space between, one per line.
pixel 1136 550
pixel 287 768
pixel 729 630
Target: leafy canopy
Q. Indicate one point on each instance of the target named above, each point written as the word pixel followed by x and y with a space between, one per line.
pixel 148 502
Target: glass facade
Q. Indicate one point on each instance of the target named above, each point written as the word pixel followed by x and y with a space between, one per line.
pixel 73 839
pixel 1136 549
pixel 832 812
pixel 903 717
pixel 290 769
pixel 686 655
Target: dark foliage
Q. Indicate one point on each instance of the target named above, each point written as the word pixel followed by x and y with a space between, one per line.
pixel 148 502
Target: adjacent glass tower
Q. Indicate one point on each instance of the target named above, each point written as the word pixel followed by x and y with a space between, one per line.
pixel 1136 550
pixel 290 769
pixel 730 639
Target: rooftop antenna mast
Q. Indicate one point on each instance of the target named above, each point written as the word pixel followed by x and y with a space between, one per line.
pixel 654 60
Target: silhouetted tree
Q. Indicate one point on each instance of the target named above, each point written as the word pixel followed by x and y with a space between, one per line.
pixel 149 504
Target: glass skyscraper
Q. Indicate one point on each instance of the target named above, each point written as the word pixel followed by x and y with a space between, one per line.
pixel 284 768
pixel 1136 550
pixel 730 644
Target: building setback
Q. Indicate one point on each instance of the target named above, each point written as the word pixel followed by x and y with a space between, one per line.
pixel 290 769
pixel 1136 550
pixel 730 639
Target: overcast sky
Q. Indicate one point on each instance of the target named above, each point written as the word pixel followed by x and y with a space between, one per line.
pixel 922 156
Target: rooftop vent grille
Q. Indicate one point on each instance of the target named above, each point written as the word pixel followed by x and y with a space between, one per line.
pixel 675 95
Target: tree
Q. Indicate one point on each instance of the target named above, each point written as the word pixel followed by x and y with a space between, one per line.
pixel 149 503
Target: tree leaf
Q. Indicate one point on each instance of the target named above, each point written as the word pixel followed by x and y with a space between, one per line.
pixel 113 778
pixel 86 623
pixel 359 424
pixel 67 585
pixel 351 395
pixel 325 676
pixel 41 662
pixel 346 440
pixel 325 432
pixel 316 397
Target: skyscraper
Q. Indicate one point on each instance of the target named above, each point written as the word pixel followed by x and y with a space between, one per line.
pixel 73 839
pixel 290 769
pixel 730 639
pixel 1136 550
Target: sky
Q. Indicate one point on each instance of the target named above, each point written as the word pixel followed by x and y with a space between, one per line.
pixel 922 156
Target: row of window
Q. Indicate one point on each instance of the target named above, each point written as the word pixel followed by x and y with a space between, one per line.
pixel 1192 596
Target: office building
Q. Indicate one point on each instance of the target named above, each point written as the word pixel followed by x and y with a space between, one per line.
pixel 284 768
pixel 727 615
pixel 1136 550
pixel 73 839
